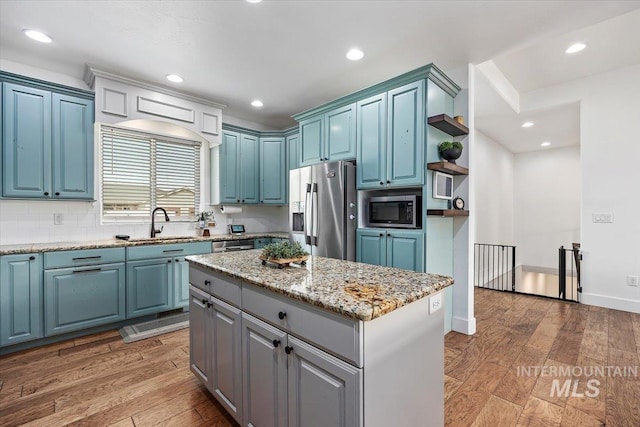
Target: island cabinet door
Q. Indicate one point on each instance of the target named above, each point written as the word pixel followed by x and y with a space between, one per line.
pixel 323 390
pixel 226 356
pixel 264 373
pixel 198 334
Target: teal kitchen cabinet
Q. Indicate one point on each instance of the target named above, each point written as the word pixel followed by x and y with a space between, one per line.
pixel 47 144
pixel 405 135
pixel 274 170
pixel 328 137
pixel 239 168
pixel 391 248
pixel 390 138
pixel 293 145
pixel 261 242
pixel 372 142
pixel 215 348
pixel 158 277
pixel 20 298
pixel 83 289
pixel 83 297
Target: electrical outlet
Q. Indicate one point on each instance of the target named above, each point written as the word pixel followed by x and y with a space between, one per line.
pixel 435 303
pixel 58 219
pixel 632 281
pixel 602 218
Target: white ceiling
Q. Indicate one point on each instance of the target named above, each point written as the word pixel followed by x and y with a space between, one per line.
pixel 611 44
pixel 290 54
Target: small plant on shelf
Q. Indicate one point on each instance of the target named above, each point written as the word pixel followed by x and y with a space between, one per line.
pixel 450 150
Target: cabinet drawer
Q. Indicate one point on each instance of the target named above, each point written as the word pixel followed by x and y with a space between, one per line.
pixel 164 251
pixel 81 257
pixel 336 334
pixel 219 285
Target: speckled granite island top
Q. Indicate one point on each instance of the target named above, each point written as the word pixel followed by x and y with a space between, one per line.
pixel 356 290
pixel 115 243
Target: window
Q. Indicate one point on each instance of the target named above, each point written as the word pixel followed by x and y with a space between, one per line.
pixel 142 171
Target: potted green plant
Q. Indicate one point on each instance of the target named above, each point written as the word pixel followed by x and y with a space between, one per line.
pixel 283 253
pixel 450 150
pixel 205 220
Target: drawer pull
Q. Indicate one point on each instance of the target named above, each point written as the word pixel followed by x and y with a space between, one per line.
pixel 207 282
pixel 168 251
pixel 204 301
pixel 209 304
pixel 276 343
pixel 288 350
pixel 93 270
pixel 87 257
pixel 282 315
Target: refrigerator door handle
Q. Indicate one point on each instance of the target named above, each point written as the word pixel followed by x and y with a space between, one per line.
pixel 314 204
pixel 308 220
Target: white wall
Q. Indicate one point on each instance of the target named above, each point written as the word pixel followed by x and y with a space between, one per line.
pixel 610 153
pixel 494 198
pixel 547 204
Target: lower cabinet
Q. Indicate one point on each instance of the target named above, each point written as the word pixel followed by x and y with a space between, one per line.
pixel 83 297
pixel 149 286
pixel 180 283
pixel 20 298
pixel 282 371
pixel 216 349
pixel 391 248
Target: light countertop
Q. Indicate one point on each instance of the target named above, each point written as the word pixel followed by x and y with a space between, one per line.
pixel 115 243
pixel 356 290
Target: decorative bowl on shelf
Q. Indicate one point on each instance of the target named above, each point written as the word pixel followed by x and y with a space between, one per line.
pixel 450 150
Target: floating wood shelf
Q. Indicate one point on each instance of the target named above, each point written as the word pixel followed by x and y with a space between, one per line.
pixel 447 212
pixel 448 167
pixel 448 125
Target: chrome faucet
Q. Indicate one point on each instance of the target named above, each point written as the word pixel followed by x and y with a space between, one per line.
pixel 153 221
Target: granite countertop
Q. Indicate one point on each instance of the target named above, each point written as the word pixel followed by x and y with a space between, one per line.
pixel 356 290
pixel 116 243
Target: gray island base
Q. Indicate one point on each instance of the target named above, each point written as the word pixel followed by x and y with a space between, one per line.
pixel 331 343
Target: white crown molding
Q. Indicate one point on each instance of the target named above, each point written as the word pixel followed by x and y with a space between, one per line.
pixel 91 72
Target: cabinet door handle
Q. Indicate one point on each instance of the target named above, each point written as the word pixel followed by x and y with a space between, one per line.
pixel 57 193
pixel 31 258
pixel 276 343
pixel 169 261
pixel 381 183
pixel 204 301
pixel 288 350
pixel 388 182
pixel 93 270
pixel 282 315
pixel 381 234
pixel 86 257
pixel 207 282
pixel 209 304
pixel 46 193
pixel 238 200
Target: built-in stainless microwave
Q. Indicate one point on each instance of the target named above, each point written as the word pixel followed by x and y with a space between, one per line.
pixel 394 211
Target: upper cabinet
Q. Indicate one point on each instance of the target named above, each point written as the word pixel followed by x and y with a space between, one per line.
pixel 239 168
pixel 391 138
pixel 328 137
pixel 273 170
pixel 47 144
pixel 293 146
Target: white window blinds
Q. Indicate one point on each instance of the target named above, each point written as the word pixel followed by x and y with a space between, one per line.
pixel 141 171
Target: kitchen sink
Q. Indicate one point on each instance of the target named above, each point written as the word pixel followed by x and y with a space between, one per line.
pixel 159 239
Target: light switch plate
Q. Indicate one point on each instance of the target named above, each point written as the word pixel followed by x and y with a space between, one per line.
pixel 632 281
pixel 435 302
pixel 58 219
pixel 602 218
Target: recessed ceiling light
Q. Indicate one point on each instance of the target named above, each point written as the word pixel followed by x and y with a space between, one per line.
pixel 174 78
pixel 257 103
pixel 355 54
pixel 254 1
pixel 527 124
pixel 545 144
pixel 575 48
pixel 37 36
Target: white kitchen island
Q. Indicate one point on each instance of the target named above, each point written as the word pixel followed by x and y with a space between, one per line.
pixel 330 343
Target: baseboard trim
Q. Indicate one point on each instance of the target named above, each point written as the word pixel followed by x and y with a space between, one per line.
pixel 464 326
pixel 632 306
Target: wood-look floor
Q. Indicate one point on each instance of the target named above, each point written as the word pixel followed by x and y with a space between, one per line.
pixel 99 381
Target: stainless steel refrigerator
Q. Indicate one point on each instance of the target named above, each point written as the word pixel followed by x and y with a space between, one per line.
pixel 322 209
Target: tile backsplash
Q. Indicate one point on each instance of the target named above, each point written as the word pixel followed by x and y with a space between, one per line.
pixel 32 221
